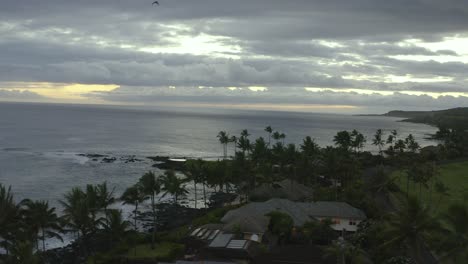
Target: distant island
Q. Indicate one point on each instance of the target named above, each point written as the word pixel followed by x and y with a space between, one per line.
pixel 456 118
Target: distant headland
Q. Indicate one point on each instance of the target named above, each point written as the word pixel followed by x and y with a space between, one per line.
pixel 449 118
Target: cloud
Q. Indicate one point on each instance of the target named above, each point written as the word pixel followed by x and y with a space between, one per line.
pixel 282 45
pixel 278 96
pixel 18 95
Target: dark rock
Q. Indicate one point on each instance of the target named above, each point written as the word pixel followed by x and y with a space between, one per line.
pixel 159 158
pixel 109 160
pixel 92 156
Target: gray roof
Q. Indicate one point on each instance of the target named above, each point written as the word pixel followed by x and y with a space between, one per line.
pixel 248 224
pixel 221 240
pixel 299 212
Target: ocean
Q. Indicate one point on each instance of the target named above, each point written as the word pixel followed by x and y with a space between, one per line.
pixel 42 145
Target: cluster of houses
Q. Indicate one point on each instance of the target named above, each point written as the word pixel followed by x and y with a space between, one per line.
pixel 243 233
pixel 244 230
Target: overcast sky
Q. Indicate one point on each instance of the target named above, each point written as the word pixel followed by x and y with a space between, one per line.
pixel 315 55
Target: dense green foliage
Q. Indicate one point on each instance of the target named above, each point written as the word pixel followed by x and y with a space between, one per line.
pixel 427 211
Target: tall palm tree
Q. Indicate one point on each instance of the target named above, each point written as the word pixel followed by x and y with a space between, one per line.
pixel 282 137
pixel 392 138
pixel 193 171
pixel 406 226
pixel 378 141
pixel 343 140
pixel 133 195
pixel 151 187
pixel 9 216
pixel 115 228
pixel 357 140
pixel 23 252
pixel 223 138
pixel 77 214
pixel 92 203
pixel 411 144
pixel 269 130
pixel 244 144
pixel 400 146
pixel 41 220
pixel 454 245
pixel 276 136
pixel 309 147
pixel 234 140
pixel 105 196
pixel 173 185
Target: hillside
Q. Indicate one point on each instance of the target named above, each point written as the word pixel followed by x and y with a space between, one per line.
pixel 456 118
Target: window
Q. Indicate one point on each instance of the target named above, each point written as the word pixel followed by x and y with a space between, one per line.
pixel 352 222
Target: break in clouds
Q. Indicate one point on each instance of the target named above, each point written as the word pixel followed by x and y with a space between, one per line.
pixel 361 52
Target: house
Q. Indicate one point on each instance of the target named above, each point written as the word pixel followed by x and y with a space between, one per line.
pixel 243 230
pixel 344 216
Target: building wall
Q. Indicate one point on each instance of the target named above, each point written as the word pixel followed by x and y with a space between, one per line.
pixel 349 225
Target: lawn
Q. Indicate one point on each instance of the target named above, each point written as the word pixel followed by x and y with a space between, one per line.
pixel 453 175
pixel 162 251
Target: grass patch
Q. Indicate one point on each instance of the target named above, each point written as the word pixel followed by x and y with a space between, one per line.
pixel 453 175
pixel 163 251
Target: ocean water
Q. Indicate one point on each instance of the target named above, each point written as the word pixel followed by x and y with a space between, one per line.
pixel 40 144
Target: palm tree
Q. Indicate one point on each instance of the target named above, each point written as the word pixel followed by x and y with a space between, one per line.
pixel 173 185
pixel 92 203
pixel 357 140
pixel 223 137
pixel 406 226
pixel 269 130
pixel 343 140
pixel 234 139
pixel 77 214
pixel 104 196
pixel 276 135
pixel 282 137
pixel 193 171
pixel 244 144
pixel 23 252
pixel 41 220
pixel 9 216
pixel 392 138
pixel 115 227
pixel 454 244
pixel 150 187
pixel 309 147
pixel 378 141
pixel 411 144
pixel 133 195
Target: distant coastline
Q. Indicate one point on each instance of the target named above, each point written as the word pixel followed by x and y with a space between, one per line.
pixel 454 118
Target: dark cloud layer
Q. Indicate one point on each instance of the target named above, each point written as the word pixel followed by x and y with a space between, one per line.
pixel 337 44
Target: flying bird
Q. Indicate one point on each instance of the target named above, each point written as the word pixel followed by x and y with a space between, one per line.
pixel 155 2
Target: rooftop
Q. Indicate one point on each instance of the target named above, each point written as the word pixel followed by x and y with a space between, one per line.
pixel 299 212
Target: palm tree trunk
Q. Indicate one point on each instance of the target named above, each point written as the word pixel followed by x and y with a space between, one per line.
pixel 195 188
pixel 135 216
pixel 43 240
pixel 204 193
pixel 153 237
pixel 136 227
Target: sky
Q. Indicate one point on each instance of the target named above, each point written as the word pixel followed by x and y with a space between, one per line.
pixel 308 55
